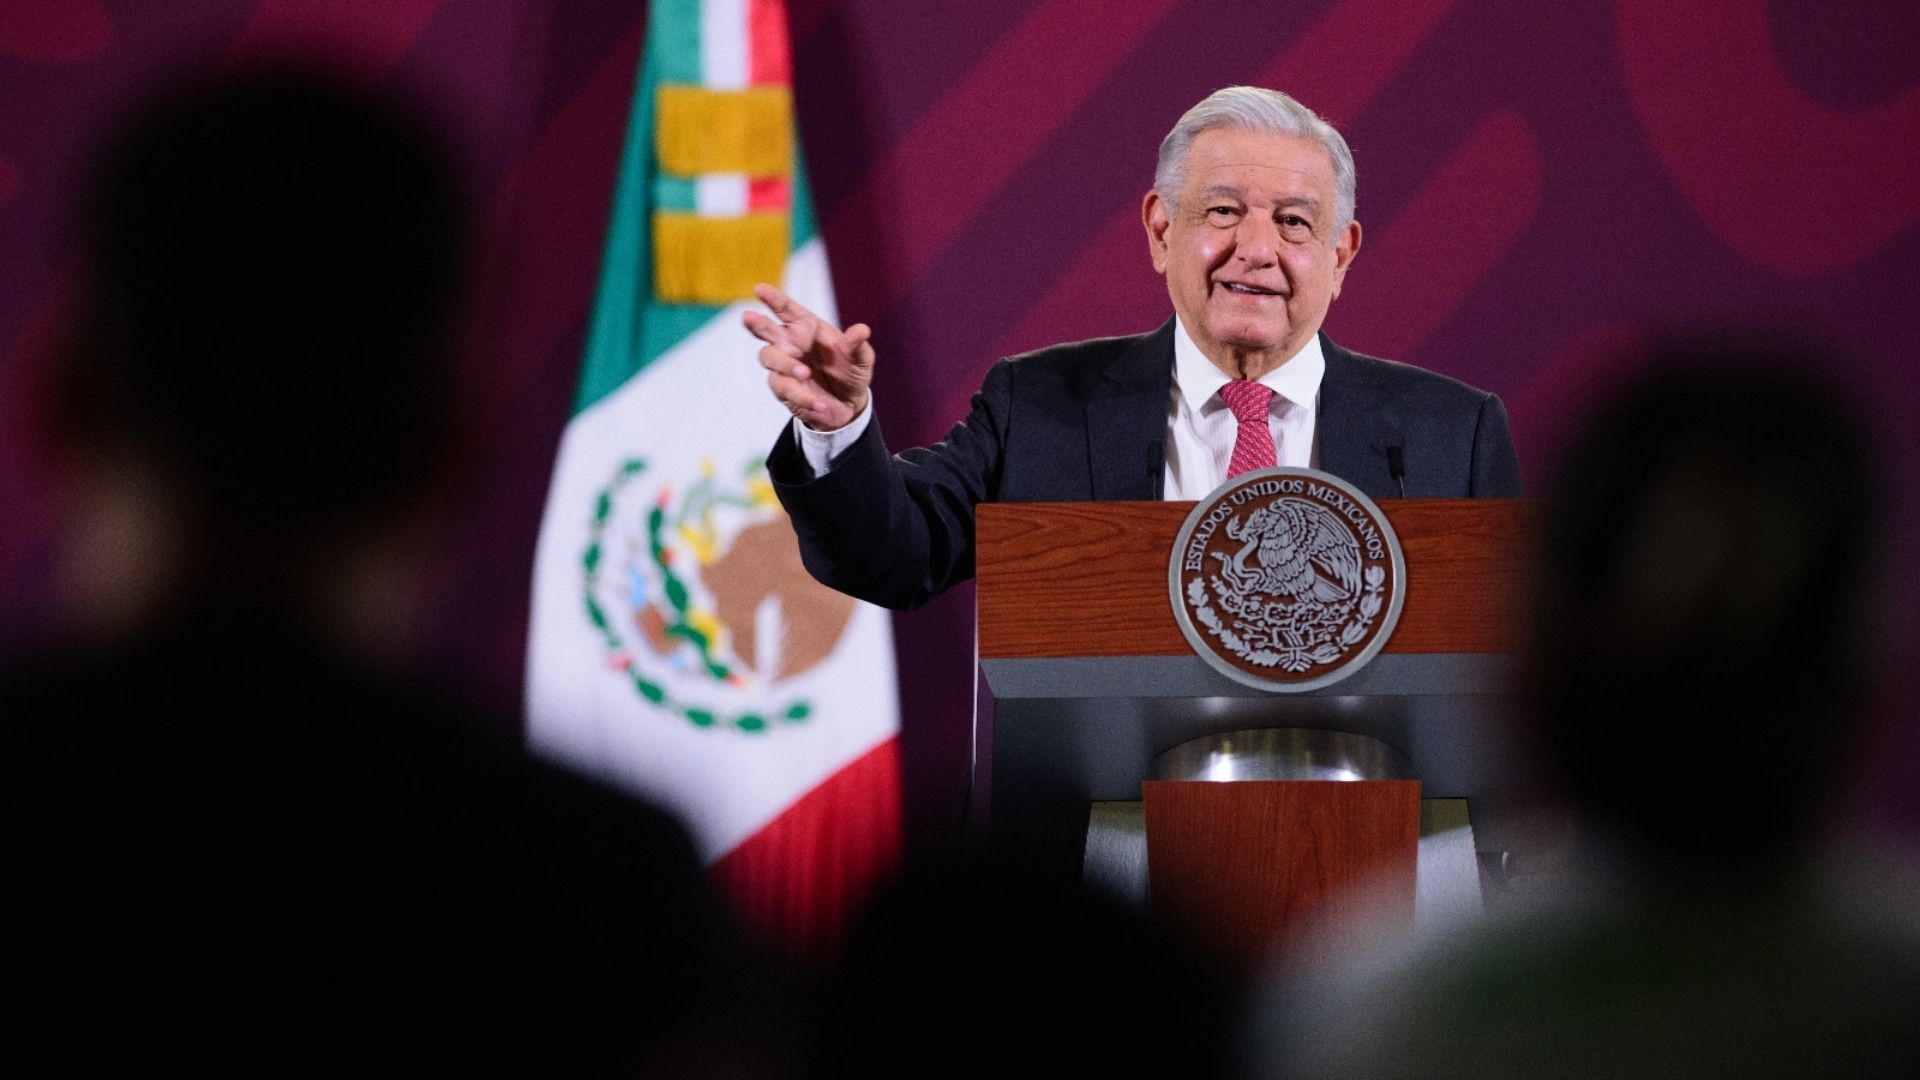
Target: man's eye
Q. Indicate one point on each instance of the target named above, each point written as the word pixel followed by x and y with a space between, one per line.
pixel 1221 212
pixel 1293 221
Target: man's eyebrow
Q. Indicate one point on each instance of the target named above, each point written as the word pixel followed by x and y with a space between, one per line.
pixel 1230 191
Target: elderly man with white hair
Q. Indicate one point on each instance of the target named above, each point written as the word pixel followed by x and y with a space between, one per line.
pixel 1251 221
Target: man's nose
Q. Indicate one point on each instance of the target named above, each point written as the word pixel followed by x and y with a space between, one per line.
pixel 1257 240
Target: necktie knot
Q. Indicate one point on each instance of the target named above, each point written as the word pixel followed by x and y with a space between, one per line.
pixel 1248 400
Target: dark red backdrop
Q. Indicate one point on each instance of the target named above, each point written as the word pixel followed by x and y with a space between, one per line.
pixel 1535 181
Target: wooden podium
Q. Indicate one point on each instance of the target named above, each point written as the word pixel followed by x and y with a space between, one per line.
pixel 1085 676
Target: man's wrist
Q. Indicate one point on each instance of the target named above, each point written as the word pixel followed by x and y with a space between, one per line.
pixel 823 448
pixel 859 413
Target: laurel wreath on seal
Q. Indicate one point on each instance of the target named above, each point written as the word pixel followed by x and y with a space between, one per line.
pixel 679 626
pixel 1290 636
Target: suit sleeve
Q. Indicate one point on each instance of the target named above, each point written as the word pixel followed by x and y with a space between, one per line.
pixel 897 530
pixel 1496 467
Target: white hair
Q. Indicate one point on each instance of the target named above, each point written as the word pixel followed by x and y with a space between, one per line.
pixel 1252 108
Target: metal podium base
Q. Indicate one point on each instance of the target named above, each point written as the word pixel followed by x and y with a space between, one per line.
pixel 1282 754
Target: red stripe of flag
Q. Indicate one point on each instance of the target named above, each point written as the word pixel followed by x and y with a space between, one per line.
pixel 769 61
pixel 769 193
pixel 800 880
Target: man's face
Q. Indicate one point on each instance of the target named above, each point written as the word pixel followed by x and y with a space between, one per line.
pixel 1250 254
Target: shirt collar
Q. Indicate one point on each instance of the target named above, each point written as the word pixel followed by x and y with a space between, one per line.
pixel 1297 380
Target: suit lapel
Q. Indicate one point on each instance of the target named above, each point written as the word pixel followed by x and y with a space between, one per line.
pixel 1354 426
pixel 1127 419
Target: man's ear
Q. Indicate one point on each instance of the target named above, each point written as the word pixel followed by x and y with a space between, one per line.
pixel 1154 215
pixel 1344 249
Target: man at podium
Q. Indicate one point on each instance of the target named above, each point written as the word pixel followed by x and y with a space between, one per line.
pixel 1251 221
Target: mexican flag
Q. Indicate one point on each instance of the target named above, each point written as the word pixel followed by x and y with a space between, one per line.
pixel 678 648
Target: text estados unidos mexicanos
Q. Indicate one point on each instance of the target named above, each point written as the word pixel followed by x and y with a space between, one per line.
pixel 1363 525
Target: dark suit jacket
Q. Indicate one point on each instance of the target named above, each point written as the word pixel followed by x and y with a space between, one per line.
pixel 1088 420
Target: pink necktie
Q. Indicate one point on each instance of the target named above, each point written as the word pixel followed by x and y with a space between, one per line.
pixel 1253 445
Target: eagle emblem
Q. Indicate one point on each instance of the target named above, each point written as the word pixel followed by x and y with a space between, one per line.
pixel 1302 551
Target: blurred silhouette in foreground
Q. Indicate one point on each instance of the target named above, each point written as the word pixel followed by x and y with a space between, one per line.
pixel 238 835
pixel 979 964
pixel 1704 651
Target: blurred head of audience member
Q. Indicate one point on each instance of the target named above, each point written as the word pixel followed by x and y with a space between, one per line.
pixel 1703 648
pixel 260 385
pixel 981 961
pixel 1705 632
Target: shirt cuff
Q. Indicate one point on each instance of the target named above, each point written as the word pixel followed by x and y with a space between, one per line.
pixel 822 449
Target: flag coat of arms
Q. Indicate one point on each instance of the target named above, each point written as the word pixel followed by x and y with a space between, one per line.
pixel 677 646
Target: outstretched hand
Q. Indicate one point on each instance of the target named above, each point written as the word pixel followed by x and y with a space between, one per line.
pixel 818 371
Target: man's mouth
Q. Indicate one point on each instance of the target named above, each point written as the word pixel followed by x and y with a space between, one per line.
pixel 1246 289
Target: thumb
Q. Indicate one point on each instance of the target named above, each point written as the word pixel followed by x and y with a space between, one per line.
pixel 856 344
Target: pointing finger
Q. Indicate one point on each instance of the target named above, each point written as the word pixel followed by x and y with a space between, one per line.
pixel 784 307
pixel 770 332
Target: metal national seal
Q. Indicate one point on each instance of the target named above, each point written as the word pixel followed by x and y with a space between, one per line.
pixel 1287 580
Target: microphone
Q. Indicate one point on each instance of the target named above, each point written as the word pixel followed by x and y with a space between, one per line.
pixel 1156 468
pixel 1397 467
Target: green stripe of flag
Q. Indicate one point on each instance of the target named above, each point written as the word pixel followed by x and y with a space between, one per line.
pixel 673 33
pixel 674 193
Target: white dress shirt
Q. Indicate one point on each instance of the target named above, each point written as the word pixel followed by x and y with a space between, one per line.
pixel 1199 437
pixel 1201 428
